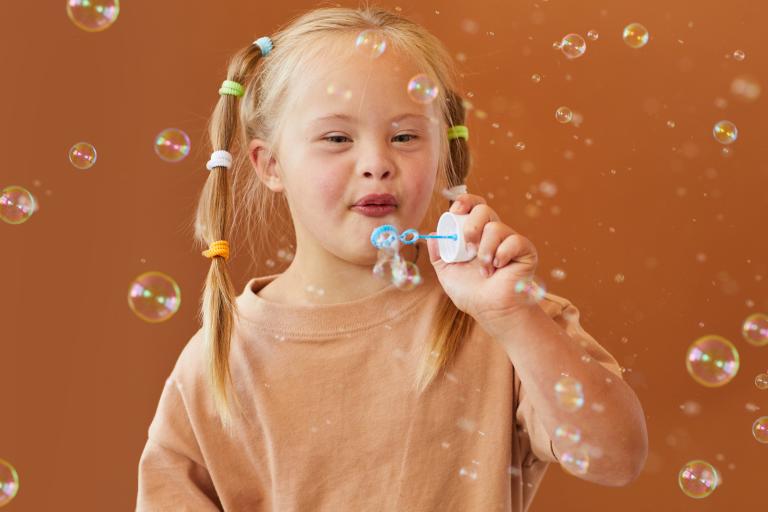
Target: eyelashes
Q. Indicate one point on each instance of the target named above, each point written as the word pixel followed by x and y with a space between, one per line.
pixel 413 137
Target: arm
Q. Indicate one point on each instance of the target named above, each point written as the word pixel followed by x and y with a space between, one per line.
pixel 541 348
pixel 172 474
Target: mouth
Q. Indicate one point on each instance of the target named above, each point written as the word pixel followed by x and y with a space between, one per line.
pixel 374 210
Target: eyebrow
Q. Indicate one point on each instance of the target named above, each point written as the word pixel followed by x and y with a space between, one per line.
pixel 345 117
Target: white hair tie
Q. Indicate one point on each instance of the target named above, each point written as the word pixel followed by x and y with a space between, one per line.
pixel 454 192
pixel 219 158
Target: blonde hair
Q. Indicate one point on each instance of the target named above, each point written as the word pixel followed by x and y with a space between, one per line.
pixel 240 193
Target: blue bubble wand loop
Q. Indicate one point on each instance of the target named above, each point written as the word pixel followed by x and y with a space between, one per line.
pixel 386 235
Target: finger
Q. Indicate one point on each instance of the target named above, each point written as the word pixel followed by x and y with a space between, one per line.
pixel 464 203
pixel 480 215
pixel 515 247
pixel 494 233
pixel 433 248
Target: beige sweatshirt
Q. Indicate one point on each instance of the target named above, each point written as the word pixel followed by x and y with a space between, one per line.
pixel 330 422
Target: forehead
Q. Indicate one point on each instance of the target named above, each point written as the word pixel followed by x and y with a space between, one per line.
pixel 350 83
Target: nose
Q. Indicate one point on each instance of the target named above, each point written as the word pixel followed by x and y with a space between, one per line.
pixel 378 173
pixel 375 161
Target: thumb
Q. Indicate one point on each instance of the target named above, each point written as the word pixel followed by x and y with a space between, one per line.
pixel 434 250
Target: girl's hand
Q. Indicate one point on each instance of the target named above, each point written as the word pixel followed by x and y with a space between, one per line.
pixel 485 287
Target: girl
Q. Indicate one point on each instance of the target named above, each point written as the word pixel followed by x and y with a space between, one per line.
pixel 326 388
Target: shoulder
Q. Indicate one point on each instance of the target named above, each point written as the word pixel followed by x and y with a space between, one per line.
pixel 189 369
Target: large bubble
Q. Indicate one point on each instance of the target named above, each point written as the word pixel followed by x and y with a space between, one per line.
pixel 93 15
pixel 154 296
pixel 712 361
pixel 635 35
pixel 172 145
pixel 17 204
pixel 698 479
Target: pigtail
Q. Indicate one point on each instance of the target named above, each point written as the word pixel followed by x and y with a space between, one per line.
pixel 450 325
pixel 212 226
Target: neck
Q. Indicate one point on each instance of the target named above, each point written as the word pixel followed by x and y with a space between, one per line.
pixel 309 280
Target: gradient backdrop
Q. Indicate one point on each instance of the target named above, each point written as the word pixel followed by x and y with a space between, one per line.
pixel 661 206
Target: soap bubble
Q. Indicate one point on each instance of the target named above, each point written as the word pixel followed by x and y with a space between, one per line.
pixel 9 482
pixel 746 87
pixel 406 275
pixel 17 205
pixel 760 429
pixel 739 55
pixel 93 15
pixel 371 42
pixel 536 78
pixel 567 435
pixel 725 132
pixel 154 296
pixel 761 381
pixel 712 361
pixel 82 155
pixel 563 115
pixel 533 291
pixel 755 329
pixel 635 35
pixel 573 46
pixel 575 460
pixel 569 393
pixel 593 35
pixel 172 145
pixel 421 89
pixel 698 479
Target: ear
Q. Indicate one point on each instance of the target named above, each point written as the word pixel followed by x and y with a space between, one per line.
pixel 265 170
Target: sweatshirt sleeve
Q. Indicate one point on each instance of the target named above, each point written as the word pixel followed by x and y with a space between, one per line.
pixel 172 473
pixel 567 316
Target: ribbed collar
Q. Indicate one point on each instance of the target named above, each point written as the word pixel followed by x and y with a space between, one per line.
pixel 329 320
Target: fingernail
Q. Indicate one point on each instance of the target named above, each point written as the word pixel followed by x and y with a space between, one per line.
pixel 485 258
pixel 496 262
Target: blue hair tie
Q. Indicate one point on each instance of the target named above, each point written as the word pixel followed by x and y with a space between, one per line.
pixel 265 45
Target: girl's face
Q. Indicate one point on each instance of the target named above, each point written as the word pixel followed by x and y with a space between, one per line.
pixel 355 131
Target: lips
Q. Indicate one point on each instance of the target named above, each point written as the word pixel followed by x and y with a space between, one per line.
pixel 376 200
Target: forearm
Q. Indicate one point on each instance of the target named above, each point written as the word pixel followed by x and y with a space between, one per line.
pixel 612 418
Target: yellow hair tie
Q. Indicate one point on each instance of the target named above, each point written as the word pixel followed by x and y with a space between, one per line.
pixel 218 248
pixel 459 130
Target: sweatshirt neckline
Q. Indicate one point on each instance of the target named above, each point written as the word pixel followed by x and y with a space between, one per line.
pixel 328 320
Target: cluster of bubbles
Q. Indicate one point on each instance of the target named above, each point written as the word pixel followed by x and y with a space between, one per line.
pixel 171 145
pixel 574 46
pixel 713 361
pixel 154 296
pixel 421 88
pixel 698 479
pixel 9 482
pixel 93 15
pixel 392 267
pixel 574 457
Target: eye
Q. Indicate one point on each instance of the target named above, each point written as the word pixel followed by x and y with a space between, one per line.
pixel 334 138
pixel 407 135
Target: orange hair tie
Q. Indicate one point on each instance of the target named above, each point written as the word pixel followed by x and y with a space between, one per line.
pixel 217 248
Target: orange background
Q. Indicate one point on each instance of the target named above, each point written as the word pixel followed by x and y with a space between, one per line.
pixel 684 225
